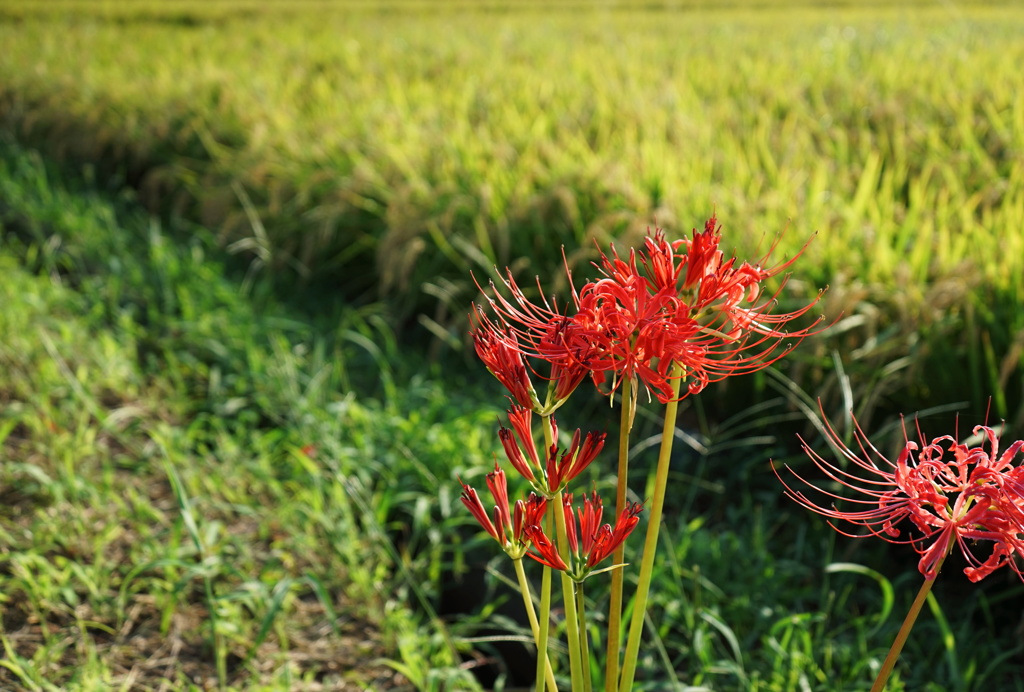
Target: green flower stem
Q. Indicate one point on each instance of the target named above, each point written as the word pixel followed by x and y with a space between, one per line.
pixel 572 632
pixel 908 624
pixel 611 674
pixel 584 644
pixel 543 665
pixel 555 509
pixel 545 626
pixel 643 587
pixel 543 662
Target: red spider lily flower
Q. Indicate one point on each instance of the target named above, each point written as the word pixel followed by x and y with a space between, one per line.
pixel 590 543
pixel 521 419
pixel 546 551
pixel 638 325
pixel 557 470
pixel 558 341
pixel 702 257
pixel 540 332
pixel 636 334
pixel 499 350
pixel 710 280
pixel 948 491
pixel 718 288
pixel 569 350
pixel 642 318
pixel 580 453
pixel 659 259
pixel 508 529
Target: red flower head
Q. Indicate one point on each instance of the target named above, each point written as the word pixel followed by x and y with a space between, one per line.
pixel 717 290
pixel 702 257
pixel 582 450
pixel 557 470
pixel 508 529
pixel 522 423
pixel 637 334
pixel 499 350
pixel 949 492
pixel 642 317
pixel 670 303
pixel 588 545
pixel 533 331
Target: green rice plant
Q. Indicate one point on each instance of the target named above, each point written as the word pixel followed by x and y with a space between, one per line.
pixel 889 130
pixel 860 131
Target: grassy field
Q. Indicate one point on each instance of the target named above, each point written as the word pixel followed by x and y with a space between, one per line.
pixel 190 483
pixel 231 432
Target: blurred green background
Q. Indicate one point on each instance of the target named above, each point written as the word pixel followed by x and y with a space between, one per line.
pixel 237 245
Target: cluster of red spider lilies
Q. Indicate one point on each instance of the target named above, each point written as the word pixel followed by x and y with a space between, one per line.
pixel 677 313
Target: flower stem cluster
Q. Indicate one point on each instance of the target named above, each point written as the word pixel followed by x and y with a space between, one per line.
pixel 670 313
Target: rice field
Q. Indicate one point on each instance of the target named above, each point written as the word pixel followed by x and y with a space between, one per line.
pixel 345 145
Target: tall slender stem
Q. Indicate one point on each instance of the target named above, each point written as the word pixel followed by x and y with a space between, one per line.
pixel 543 664
pixel 908 624
pixel 584 644
pixel 643 587
pixel 545 622
pixel 545 593
pixel 611 674
pixel 556 509
pixel 572 633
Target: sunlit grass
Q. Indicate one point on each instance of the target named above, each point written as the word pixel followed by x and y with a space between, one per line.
pixel 178 467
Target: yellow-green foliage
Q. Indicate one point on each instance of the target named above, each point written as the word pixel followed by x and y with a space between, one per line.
pixel 432 139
